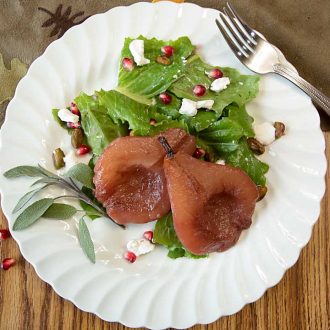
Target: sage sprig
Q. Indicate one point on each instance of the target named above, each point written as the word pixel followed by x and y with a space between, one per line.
pixel 60 211
pixel 32 213
pixel 78 181
pixel 26 198
pixel 85 240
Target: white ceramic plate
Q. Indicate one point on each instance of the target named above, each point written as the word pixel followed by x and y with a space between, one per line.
pixel 158 292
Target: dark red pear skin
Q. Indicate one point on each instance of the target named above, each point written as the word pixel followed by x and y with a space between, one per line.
pixel 129 176
pixel 211 203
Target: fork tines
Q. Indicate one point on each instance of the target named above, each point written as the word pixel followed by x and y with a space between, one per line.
pixel 240 37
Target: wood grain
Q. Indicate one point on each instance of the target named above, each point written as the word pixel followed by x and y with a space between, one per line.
pixel 299 301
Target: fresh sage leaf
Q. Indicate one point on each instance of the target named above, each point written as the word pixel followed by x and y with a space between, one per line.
pixel 26 198
pixel 82 173
pixel 25 170
pixel 60 211
pixel 32 213
pixel 85 240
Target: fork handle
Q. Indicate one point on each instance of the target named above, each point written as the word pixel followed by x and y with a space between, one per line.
pixel 319 98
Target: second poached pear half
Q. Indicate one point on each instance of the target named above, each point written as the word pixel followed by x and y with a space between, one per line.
pixel 211 203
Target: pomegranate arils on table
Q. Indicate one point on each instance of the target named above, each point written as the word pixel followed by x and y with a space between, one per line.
pixel 165 98
pixel 215 74
pixel 199 90
pixel 83 150
pixel 128 64
pixel 130 256
pixel 4 234
pixel 148 235
pixel 74 109
pixel 199 153
pixel 168 51
pixel 7 263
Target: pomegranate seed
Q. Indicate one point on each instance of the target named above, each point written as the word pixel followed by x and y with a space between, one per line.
pixel 4 234
pixel 215 74
pixel 128 64
pixel 148 235
pixel 152 122
pixel 165 98
pixel 74 109
pixel 199 153
pixel 130 256
pixel 74 125
pixel 83 150
pixel 7 263
pixel 168 51
pixel 199 90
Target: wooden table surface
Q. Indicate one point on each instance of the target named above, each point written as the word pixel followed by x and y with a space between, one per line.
pixel 299 301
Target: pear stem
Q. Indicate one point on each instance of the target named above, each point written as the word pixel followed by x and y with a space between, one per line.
pixel 169 151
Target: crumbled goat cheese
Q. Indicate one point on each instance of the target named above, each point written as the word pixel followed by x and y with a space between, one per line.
pixel 67 116
pixel 265 133
pixel 206 104
pixel 188 107
pixel 220 84
pixel 137 49
pixel 140 246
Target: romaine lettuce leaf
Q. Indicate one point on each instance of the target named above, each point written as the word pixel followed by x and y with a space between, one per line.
pixel 154 78
pixel 171 109
pixel 227 138
pixel 123 109
pixel 164 234
pixel 241 117
pixel 242 88
pixel 245 159
pixel 201 121
pixel 98 126
pixel 232 127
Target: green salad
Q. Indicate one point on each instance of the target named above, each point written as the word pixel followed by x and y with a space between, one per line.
pixel 135 107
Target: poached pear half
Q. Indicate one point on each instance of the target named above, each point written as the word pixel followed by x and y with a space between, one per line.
pixel 211 203
pixel 129 176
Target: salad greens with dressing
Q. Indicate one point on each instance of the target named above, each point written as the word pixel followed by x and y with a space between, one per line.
pixel 222 132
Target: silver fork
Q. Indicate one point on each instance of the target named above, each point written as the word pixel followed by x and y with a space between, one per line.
pixel 260 56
